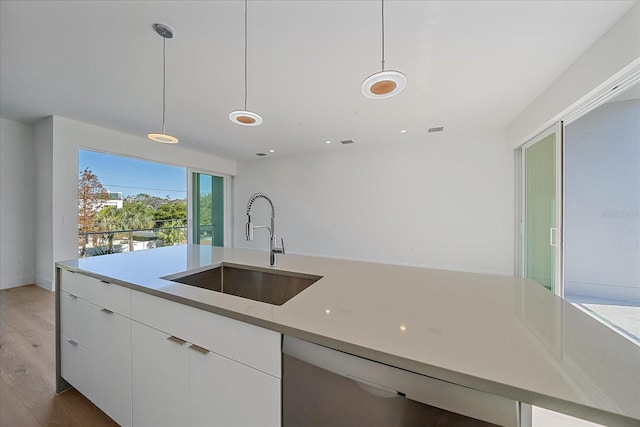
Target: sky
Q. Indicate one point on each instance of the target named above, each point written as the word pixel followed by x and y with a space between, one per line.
pixel 131 176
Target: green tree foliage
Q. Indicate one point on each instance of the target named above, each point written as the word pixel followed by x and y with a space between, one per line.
pixel 206 203
pixel 139 212
pixel 109 220
pixel 152 202
pixel 173 211
pixel 136 215
pixel 173 233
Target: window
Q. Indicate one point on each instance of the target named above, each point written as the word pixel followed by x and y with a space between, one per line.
pixel 127 204
pixel 208 209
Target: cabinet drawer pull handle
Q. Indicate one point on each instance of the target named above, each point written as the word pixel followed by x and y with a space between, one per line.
pixel 104 281
pixel 72 296
pixel 176 340
pixel 104 310
pixel 73 343
pixel 199 349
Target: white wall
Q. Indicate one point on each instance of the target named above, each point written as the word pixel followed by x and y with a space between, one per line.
pixel 615 51
pixel 446 202
pixel 43 175
pixel 17 199
pixel 602 203
pixel 60 139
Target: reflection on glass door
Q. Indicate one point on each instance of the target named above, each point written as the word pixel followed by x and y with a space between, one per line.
pixel 208 212
pixel 542 210
pixel 602 213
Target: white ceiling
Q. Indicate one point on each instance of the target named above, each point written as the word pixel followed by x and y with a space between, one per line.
pixel 471 66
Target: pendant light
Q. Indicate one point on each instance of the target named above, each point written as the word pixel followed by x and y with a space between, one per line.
pixel 386 83
pixel 245 117
pixel 166 33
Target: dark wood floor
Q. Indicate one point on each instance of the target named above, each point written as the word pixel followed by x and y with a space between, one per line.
pixel 27 366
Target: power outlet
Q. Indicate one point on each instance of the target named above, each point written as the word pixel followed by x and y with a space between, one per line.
pixel 17 259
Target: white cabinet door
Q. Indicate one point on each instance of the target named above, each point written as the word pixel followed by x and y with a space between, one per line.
pixel 75 319
pixel 228 393
pixel 111 364
pixel 160 367
pixel 75 365
pixel 249 344
pixel 75 342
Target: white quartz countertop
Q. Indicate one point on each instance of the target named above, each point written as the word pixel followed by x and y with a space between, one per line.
pixel 503 335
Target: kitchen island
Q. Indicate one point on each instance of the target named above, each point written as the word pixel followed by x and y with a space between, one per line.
pixel 504 336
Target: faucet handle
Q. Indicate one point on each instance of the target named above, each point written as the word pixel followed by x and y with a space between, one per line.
pixel 249 231
pixel 280 250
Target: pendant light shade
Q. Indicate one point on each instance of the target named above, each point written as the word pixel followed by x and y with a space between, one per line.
pixel 385 83
pixel 163 137
pixel 245 117
pixel 165 32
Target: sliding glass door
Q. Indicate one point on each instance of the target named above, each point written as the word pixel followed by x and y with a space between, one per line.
pixel 208 209
pixel 602 213
pixel 542 210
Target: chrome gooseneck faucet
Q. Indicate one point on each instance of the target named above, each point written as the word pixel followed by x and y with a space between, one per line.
pixel 273 250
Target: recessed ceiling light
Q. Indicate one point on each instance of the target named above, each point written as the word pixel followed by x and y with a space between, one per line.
pixel 327 142
pixel 403 131
pixel 272 151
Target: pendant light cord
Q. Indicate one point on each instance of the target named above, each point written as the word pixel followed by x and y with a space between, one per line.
pixel 382 14
pixel 164 80
pixel 245 54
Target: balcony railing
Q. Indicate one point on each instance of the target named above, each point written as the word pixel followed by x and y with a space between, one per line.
pixel 114 241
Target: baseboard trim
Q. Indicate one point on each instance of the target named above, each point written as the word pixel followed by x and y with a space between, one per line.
pixel 44 283
pixel 14 282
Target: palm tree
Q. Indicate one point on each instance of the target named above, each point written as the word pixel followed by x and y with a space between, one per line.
pixel 136 219
pixel 109 220
pixel 173 234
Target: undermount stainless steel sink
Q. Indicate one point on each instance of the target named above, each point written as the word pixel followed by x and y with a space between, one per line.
pixel 272 287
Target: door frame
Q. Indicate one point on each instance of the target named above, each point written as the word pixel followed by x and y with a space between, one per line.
pixel 558 130
pixel 226 207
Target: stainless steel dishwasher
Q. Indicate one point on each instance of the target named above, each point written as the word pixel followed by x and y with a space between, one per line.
pixel 325 387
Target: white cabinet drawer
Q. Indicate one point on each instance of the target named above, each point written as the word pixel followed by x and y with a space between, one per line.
pixel 77 284
pixel 248 344
pixel 112 297
pixel 75 315
pixel 108 295
pixel 75 365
